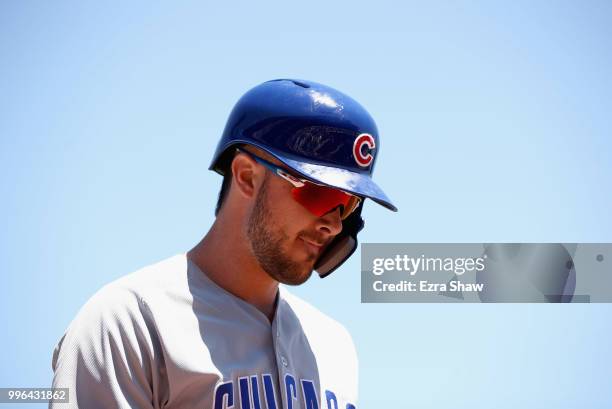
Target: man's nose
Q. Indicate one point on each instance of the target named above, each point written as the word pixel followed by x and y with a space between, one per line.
pixel 330 223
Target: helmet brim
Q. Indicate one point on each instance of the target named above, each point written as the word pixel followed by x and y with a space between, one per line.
pixel 352 182
pixel 340 178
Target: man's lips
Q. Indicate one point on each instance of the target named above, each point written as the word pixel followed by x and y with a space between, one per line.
pixel 314 246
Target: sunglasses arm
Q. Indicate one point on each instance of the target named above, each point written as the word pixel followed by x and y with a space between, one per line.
pixel 290 178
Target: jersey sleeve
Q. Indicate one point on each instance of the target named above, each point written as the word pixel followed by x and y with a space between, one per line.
pixel 109 356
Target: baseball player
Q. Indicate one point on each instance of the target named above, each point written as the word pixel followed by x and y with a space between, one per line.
pixel 212 328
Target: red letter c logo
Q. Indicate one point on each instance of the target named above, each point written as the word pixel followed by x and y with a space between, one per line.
pixel 361 159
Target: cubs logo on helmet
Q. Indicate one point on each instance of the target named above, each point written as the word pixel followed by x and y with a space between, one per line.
pixel 362 148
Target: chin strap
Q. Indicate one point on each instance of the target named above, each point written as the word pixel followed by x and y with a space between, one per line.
pixel 343 245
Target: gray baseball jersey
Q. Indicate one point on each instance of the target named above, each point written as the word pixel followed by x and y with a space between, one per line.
pixel 167 336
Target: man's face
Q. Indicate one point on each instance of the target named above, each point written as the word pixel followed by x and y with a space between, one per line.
pixel 287 239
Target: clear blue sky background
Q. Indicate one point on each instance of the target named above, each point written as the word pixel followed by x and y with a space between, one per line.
pixel 495 119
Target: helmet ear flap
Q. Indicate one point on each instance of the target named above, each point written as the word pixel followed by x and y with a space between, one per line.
pixel 343 245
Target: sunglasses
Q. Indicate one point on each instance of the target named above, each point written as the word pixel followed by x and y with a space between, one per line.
pixel 317 199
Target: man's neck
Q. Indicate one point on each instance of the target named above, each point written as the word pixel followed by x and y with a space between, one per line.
pixel 225 257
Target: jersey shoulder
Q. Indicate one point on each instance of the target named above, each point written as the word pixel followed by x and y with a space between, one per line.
pixel 163 275
pixel 119 310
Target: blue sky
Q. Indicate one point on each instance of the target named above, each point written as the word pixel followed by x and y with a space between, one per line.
pixel 495 127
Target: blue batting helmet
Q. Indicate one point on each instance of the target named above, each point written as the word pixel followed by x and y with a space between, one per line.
pixel 317 131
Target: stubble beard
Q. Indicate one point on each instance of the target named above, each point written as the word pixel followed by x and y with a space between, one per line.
pixel 267 244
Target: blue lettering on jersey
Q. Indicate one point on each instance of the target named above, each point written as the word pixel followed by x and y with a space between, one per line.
pixel 248 390
pixel 311 400
pixel 245 396
pixel 330 397
pixel 290 390
pixel 269 392
pixel 255 392
pixel 224 395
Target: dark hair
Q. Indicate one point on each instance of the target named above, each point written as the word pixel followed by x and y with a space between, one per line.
pixel 224 167
pixel 225 186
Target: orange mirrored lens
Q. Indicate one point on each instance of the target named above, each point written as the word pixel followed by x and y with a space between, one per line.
pixel 320 200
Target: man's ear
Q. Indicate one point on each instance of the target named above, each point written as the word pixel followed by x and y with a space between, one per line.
pixel 246 175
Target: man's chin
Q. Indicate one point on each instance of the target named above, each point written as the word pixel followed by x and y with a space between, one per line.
pixel 295 278
pixel 289 271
